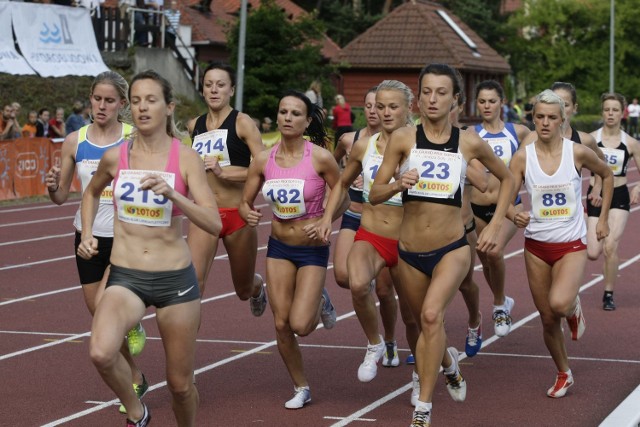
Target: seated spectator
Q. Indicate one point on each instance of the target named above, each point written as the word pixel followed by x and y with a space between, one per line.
pixel 75 121
pixel 30 129
pixel 56 125
pixel 8 124
pixel 16 111
pixel 42 125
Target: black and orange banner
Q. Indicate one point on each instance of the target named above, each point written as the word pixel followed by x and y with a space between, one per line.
pixel 24 163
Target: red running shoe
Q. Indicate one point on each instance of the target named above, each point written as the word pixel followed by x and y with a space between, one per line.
pixel 563 382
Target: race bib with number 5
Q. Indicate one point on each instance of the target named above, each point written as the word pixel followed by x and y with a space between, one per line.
pixel 138 206
pixel 614 159
pixel 213 143
pixel 286 197
pixel 438 173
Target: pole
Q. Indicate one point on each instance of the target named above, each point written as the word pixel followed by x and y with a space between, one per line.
pixel 612 48
pixel 241 49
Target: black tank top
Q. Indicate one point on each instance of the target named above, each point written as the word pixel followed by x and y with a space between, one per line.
pixel 452 145
pixel 575 136
pixel 239 153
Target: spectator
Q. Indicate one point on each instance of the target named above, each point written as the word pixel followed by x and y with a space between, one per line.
pixel 30 129
pixel 172 17
pixel 86 113
pixel 75 121
pixel 265 127
pixel 8 124
pixel 342 118
pixel 42 125
pixel 314 93
pixel 16 111
pixel 634 113
pixel 56 125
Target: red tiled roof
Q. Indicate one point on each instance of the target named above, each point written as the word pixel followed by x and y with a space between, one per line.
pixel 211 28
pixel 413 35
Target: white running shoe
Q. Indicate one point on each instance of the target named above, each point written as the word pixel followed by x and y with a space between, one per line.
pixel 369 367
pixel 502 317
pixel 415 388
pixel 301 396
pixel 390 357
pixel 259 303
pixel 456 385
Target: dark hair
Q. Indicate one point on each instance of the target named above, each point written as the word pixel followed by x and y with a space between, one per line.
pixel 42 110
pixel 568 87
pixel 441 70
pixel 374 89
pixel 221 66
pixel 490 85
pixel 316 130
pixel 167 92
pixel 614 97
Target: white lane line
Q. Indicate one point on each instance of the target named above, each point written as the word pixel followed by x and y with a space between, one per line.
pixel 376 404
pixel 36 239
pixel 33 208
pixel 44 294
pixel 37 221
pixel 30 264
pixel 626 414
pixel 537 356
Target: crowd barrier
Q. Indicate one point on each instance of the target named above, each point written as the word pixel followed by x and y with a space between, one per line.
pixel 24 163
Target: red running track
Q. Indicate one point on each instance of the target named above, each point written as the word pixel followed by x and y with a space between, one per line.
pixel 48 379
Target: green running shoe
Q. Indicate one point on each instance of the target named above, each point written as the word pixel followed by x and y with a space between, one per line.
pixel 140 389
pixel 136 338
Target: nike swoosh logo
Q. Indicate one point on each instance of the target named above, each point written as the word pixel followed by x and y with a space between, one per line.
pixel 181 293
pixel 448 149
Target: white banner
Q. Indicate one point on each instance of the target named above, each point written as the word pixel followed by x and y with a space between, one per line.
pixel 57 40
pixel 10 60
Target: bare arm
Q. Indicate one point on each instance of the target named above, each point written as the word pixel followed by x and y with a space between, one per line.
pixel 91 199
pixel 204 212
pixel 587 158
pixel 255 179
pixel 517 168
pixel 589 141
pixel 345 141
pixel 488 239
pixel 477 175
pixel 58 180
pixel 634 148
pixel 398 148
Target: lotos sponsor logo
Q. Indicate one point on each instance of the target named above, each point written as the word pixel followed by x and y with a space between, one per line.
pixel 27 165
pixel 555 212
pixel 436 187
pixel 142 212
pixel 288 210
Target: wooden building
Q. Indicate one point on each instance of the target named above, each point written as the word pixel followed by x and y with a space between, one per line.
pixel 413 35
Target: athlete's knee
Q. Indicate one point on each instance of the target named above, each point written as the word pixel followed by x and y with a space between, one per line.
pixel 610 248
pixel 430 319
pixel 385 292
pixel 181 386
pixel 102 357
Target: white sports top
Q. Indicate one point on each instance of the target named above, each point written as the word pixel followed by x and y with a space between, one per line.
pixel 556 200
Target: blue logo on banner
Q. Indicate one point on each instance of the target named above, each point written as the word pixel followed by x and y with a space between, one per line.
pixel 59 33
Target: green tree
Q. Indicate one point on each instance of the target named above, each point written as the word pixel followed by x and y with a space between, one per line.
pixel 280 54
pixel 549 41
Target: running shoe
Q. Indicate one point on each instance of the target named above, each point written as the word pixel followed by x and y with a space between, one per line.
pixel 411 360
pixel 607 302
pixel 456 385
pixel 259 303
pixel 415 388
pixel 502 317
pixel 144 421
pixel 140 389
pixel 369 367
pixel 473 342
pixel 421 419
pixel 136 339
pixel 390 357
pixel 563 382
pixel 576 321
pixel 301 396
pixel 328 314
